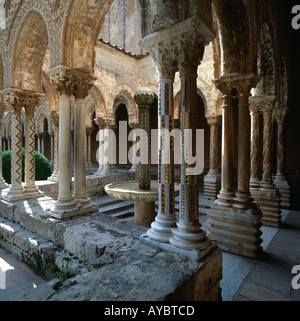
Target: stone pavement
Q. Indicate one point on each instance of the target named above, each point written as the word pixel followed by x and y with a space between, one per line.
pixel 266 279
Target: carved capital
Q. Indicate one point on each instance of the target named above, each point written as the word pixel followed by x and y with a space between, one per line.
pixel 70 81
pixel 280 114
pixel 144 96
pixel 109 123
pixel 100 122
pixel 214 120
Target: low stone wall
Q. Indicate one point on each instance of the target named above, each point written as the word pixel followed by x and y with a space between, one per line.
pixel 94 184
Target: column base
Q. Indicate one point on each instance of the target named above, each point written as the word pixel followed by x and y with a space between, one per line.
pixel 243 201
pixel 195 255
pixel 84 204
pixel 33 192
pixel 54 178
pixel 13 194
pixel 225 199
pixel 189 237
pixel 161 228
pixel 268 201
pixel 65 208
pixel 99 172
pixel 283 187
pixel 3 184
pixel 212 186
pixel 236 231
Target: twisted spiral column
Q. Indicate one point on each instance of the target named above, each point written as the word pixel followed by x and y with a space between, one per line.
pixel 254 155
pixel 212 181
pixel 2 181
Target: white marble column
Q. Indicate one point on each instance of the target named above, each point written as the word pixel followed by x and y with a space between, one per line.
pixel 280 180
pixel 55 119
pixel 82 83
pixel 65 206
pixel 100 136
pixel 212 181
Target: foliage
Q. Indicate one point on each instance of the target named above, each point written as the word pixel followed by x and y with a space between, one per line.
pixel 42 166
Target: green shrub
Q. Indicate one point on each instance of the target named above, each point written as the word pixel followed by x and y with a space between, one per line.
pixel 42 166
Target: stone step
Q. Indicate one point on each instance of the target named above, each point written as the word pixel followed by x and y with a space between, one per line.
pixel 116 207
pixel 109 201
pixel 124 213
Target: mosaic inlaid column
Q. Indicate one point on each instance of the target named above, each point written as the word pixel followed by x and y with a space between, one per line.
pixel 165 221
pixel 82 83
pixel 212 181
pixel 30 102
pixel 16 190
pixel 280 181
pixel 55 119
pixel 2 181
pixel 100 136
pixel 144 98
pixel 255 148
pixel 189 234
pixel 269 201
pixel 89 146
pixel 65 206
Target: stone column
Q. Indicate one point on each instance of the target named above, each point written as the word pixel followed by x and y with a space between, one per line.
pixel 134 167
pixel 43 143
pixel 89 146
pixel 165 221
pixel 280 181
pixel 235 224
pixel 109 125
pixel 55 119
pixel 2 181
pixel 254 168
pixel 189 234
pixel 101 125
pixel 212 181
pixel 51 134
pixel 268 197
pixel 16 190
pixel 30 101
pixel 144 98
pixel 82 82
pixel 39 142
pixel 243 198
pixel 65 206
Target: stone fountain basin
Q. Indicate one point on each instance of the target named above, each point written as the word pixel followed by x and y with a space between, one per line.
pixel 129 191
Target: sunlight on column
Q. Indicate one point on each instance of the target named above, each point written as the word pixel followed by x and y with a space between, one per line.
pixel 4 267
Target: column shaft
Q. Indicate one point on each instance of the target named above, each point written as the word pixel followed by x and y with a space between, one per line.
pixel 161 228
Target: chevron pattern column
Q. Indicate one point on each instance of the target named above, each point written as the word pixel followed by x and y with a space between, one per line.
pixel 16 190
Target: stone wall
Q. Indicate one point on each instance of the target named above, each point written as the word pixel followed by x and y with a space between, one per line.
pixel 122 25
